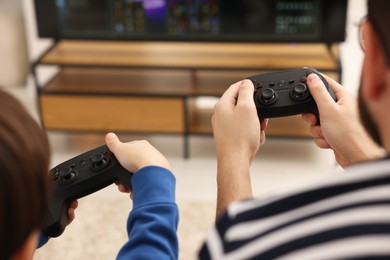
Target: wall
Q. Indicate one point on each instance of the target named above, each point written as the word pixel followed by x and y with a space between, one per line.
pixel 14 62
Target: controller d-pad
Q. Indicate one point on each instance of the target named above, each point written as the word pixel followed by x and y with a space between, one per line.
pixel 299 92
pixel 67 175
pixel 268 96
pixel 99 161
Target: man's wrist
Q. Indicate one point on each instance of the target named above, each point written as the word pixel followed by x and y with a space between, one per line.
pixel 365 149
pixel 370 152
pixel 234 183
pixel 235 158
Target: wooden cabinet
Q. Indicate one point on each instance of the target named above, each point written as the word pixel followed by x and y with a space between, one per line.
pixel 153 87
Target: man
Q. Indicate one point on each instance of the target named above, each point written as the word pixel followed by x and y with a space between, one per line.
pixel 344 217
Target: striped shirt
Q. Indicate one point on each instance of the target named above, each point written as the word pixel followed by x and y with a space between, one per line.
pixel 343 217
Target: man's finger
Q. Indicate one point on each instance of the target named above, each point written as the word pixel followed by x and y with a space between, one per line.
pixel 245 92
pixel 319 92
pixel 334 85
pixel 321 143
pixel 310 118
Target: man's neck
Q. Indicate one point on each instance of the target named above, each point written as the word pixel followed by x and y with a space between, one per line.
pixel 385 120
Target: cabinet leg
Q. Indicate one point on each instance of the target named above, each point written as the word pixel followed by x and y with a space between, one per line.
pixel 186 146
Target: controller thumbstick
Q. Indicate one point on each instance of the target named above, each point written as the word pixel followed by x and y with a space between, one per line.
pixel 99 161
pixel 268 96
pixel 299 92
pixel 66 174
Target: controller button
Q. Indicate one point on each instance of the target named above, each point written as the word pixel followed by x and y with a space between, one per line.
pixel 303 79
pixel 291 81
pixel 300 89
pixel 83 163
pixel 281 83
pixel 268 96
pixel 259 85
pixel 299 92
pixel 271 84
pixel 67 174
pixel 55 175
pixel 99 161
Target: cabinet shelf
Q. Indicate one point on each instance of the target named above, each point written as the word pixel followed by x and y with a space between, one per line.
pixel 153 87
pixel 221 56
pixel 143 82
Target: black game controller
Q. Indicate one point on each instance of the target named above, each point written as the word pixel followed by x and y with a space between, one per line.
pixel 285 93
pixel 79 177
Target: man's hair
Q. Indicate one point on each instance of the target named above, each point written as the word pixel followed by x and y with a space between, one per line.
pixel 379 15
pixel 24 187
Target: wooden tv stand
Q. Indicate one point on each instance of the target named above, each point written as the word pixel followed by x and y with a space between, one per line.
pixel 152 87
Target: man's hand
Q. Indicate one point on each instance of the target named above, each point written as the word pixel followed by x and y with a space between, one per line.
pixel 238 135
pixel 340 128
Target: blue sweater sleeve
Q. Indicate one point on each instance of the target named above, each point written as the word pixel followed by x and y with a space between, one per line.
pixel 42 240
pixel 152 224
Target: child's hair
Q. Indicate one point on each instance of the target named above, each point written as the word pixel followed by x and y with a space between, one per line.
pixel 24 187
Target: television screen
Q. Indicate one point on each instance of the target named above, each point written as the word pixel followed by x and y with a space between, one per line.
pixel 194 20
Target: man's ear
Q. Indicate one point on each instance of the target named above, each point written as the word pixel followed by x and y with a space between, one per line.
pixel 374 67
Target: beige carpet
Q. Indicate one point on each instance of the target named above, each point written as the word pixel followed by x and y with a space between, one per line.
pixel 98 231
